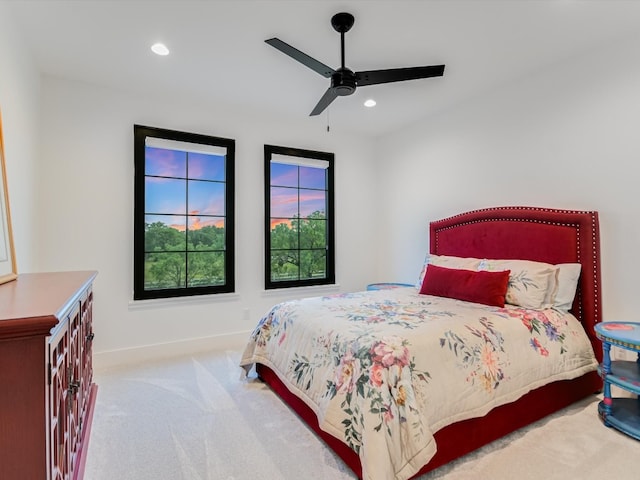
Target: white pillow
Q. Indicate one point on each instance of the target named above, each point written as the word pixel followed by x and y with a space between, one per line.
pixel 463 263
pixel 567 283
pixel 531 284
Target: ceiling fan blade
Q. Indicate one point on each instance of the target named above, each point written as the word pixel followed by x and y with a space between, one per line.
pixel 301 57
pixel 375 77
pixel 328 97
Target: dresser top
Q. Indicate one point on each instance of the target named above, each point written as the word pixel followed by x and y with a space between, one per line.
pixel 34 302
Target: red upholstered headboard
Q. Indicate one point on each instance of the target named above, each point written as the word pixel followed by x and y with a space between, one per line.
pixel 530 233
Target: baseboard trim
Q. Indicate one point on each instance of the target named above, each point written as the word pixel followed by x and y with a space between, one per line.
pixel 159 351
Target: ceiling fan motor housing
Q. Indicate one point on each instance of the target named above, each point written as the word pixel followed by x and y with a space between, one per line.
pixel 343 81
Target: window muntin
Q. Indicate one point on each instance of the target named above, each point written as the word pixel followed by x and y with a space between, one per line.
pixel 299 240
pixel 183 215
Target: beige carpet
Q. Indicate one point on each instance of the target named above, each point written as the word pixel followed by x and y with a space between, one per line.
pixel 194 418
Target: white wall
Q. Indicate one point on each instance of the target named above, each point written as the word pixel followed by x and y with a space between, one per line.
pixel 86 208
pixel 19 101
pixel 566 138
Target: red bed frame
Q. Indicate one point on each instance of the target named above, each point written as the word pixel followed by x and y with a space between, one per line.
pixel 528 233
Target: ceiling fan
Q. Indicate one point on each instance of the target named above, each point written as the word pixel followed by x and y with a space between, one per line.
pixel 344 81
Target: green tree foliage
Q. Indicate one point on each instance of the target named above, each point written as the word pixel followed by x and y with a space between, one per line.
pixel 205 268
pixel 164 270
pixel 298 251
pixel 206 238
pixel 159 237
pixel 175 259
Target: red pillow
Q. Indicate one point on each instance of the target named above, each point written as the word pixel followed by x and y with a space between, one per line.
pixel 488 288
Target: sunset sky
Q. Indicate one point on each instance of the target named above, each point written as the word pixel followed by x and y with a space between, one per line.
pixel 170 174
pixel 168 196
pixel 296 190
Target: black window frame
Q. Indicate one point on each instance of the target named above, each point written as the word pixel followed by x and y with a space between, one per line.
pixel 330 277
pixel 141 133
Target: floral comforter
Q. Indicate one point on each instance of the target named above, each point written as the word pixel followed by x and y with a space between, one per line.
pixel 384 370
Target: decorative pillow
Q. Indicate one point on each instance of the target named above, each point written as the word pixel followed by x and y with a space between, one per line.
pixel 531 284
pixel 567 283
pixel 488 288
pixel 465 263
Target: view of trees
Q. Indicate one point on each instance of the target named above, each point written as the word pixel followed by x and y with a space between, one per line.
pixel 178 259
pixel 175 259
pixel 298 248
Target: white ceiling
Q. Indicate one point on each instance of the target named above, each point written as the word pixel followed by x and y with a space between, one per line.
pixel 218 55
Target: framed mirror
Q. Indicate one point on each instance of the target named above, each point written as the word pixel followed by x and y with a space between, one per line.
pixel 8 269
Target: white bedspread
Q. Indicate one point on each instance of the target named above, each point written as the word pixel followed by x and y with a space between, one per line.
pixel 384 370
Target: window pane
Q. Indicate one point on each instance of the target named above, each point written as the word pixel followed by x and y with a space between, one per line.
pixel 206 167
pixel 164 233
pixel 312 201
pixel 311 177
pixel 164 270
pixel 205 234
pixel 284 175
pixel 284 265
pixel 206 269
pixel 164 195
pixel 165 163
pixel 206 198
pixel 313 264
pixel 284 202
pixel 313 233
pixel 284 233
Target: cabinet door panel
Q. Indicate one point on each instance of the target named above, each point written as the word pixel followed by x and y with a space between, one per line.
pixel 74 374
pixel 58 406
pixel 87 350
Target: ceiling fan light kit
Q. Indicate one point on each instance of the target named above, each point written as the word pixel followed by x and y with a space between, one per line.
pixel 160 49
pixel 343 80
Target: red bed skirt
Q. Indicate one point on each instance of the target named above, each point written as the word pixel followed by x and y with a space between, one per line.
pixel 463 437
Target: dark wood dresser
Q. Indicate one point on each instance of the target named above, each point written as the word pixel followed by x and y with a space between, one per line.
pixel 47 394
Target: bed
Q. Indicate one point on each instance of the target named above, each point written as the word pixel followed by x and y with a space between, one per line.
pixel 377 392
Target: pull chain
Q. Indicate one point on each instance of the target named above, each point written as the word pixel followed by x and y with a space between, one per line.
pixel 328 129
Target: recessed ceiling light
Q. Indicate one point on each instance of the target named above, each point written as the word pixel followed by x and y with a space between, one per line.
pixel 160 49
pixel 370 103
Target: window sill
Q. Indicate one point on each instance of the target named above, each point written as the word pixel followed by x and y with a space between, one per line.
pixel 180 301
pixel 305 291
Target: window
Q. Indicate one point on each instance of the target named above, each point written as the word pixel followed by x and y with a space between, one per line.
pixel 299 239
pixel 183 214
